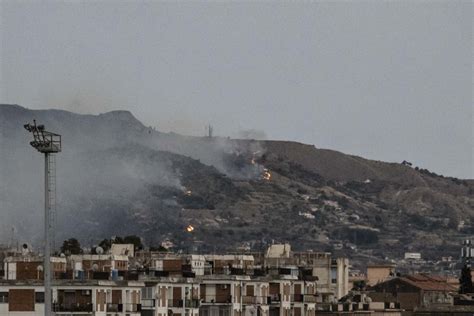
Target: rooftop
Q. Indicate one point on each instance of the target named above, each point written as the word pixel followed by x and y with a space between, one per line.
pixel 429 283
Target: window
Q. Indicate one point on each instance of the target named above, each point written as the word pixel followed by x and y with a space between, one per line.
pixel 333 275
pixel 3 297
pixel 223 312
pixel 39 297
pixel 147 293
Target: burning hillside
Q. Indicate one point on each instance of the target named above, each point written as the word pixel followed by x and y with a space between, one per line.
pixel 216 193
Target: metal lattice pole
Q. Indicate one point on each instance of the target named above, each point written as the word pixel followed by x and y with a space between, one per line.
pixel 52 199
pixel 47 143
pixel 47 234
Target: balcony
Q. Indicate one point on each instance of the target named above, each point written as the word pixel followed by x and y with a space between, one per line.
pixel 297 298
pixel 255 300
pixel 148 303
pixel 303 298
pixel 275 298
pixel 86 308
pixel 325 307
pixel 221 299
pixel 133 308
pixel 309 298
pixel 114 308
pixel 194 303
pixel 190 303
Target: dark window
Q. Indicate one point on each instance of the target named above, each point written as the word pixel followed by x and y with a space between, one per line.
pixel 39 297
pixel 3 297
pixel 333 275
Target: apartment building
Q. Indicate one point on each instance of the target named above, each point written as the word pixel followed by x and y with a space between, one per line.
pixel 229 295
pixel 221 295
pixel 167 264
pixel 91 297
pixel 230 264
pixel 279 283
pixel 30 267
pixel 90 266
pixel 198 264
pixel 332 273
pixel 170 296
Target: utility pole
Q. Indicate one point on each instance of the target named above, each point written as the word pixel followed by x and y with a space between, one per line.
pixel 184 300
pixel 241 300
pixel 48 144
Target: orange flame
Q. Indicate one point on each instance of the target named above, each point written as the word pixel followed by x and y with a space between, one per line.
pixel 254 154
pixel 266 175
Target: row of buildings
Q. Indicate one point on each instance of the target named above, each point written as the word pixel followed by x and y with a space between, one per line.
pixel 162 283
pixel 279 282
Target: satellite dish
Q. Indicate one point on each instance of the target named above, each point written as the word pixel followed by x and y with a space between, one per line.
pixel 25 249
pixel 95 267
pixel 99 250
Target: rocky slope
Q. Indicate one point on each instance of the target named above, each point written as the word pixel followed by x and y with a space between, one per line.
pixel 117 176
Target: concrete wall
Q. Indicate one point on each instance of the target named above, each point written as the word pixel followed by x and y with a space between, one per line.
pixel 378 274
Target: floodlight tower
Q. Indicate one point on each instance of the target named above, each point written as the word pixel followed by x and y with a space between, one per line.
pixel 48 144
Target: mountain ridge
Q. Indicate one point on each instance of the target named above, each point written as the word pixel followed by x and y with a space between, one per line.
pixel 118 173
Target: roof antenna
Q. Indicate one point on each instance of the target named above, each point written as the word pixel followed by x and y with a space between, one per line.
pixel 210 131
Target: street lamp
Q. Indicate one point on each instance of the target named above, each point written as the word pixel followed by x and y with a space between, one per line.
pixel 48 144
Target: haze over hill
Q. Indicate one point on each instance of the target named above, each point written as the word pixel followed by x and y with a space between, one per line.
pixel 386 80
pixel 117 176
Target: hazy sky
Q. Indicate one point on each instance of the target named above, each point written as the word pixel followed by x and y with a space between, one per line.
pixel 384 80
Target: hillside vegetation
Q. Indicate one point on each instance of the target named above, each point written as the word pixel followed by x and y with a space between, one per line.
pixel 117 176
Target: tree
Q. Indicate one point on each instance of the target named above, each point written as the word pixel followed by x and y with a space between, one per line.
pixel 71 247
pixel 159 249
pixel 105 244
pixel 118 240
pixel 135 240
pixel 360 285
pixel 465 282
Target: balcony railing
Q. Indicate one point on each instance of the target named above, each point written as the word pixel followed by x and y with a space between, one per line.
pixel 114 308
pixel 249 300
pixel 275 298
pixel 227 299
pixel 309 298
pixel 190 303
pixel 303 298
pixel 255 300
pixel 133 308
pixel 297 298
pixel 326 307
pixel 73 307
pixel 148 302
